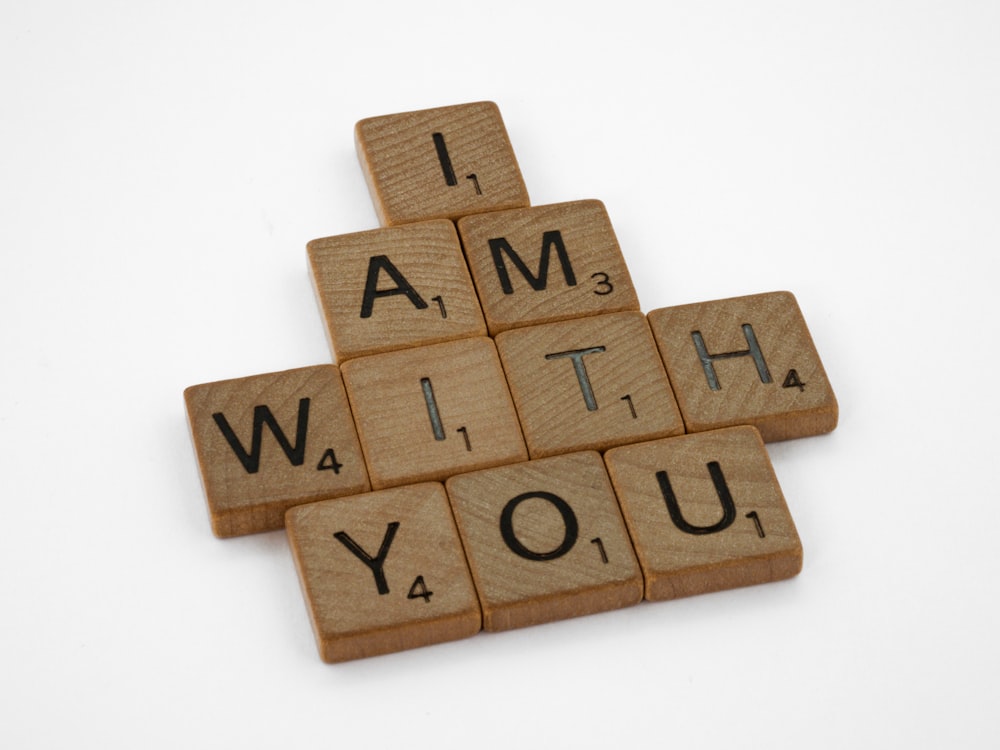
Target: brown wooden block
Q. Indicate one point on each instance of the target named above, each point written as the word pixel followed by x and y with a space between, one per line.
pixel 705 512
pixel 383 572
pixel 268 442
pixel 746 360
pixel 588 384
pixel 545 541
pixel 394 288
pixel 427 413
pixel 546 263
pixel 439 163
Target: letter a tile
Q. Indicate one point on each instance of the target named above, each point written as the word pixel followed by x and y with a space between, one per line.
pixel 394 288
pixel 588 384
pixel 705 512
pixel 383 572
pixel 268 442
pixel 439 163
pixel 546 263
pixel 745 360
pixel 545 540
pixel 426 413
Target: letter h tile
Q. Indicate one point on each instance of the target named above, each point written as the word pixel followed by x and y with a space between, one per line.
pixel 746 360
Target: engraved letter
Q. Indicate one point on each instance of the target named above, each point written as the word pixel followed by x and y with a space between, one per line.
pixel 707 359
pixel 569 520
pixel 262 416
pixel 581 372
pixel 374 563
pixel 377 264
pixel 721 489
pixel 445 159
pixel 432 409
pixel 550 239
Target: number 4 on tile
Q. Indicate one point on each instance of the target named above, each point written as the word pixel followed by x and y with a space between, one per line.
pixel 792 380
pixel 419 590
pixel 329 461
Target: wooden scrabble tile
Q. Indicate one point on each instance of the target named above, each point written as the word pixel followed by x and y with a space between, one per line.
pixel 588 384
pixel 546 263
pixel 383 572
pixel 545 540
pixel 268 442
pixel 427 413
pixel 439 163
pixel 394 288
pixel 746 360
pixel 705 512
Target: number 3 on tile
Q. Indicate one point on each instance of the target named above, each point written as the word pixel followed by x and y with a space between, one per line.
pixel 604 285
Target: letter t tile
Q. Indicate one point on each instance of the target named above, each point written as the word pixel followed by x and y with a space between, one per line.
pixel 588 384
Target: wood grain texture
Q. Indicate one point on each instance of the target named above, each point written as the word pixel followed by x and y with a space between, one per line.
pixel 383 572
pixel 440 163
pixel 427 413
pixel 545 541
pixel 707 548
pixel 291 440
pixel 572 264
pixel 550 367
pixel 394 288
pixel 784 391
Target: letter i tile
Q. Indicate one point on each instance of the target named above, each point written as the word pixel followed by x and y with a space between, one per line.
pixel 545 540
pixel 745 360
pixel 268 442
pixel 426 413
pixel 383 572
pixel 439 163
pixel 705 512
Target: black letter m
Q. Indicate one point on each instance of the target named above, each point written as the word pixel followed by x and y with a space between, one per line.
pixel 551 239
pixel 262 416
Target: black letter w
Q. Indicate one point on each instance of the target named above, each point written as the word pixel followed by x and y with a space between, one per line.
pixel 262 416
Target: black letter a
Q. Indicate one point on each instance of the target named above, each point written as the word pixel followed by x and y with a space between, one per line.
pixel 262 416
pixel 376 264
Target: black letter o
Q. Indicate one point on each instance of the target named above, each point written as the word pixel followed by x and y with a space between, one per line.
pixel 569 520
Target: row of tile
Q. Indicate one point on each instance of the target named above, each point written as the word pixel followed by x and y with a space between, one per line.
pixel 268 442
pixel 410 285
pixel 542 540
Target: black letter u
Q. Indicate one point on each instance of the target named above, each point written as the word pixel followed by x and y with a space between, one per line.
pixel 721 488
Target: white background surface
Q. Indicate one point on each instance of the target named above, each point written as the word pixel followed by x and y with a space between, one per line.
pixel 162 167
